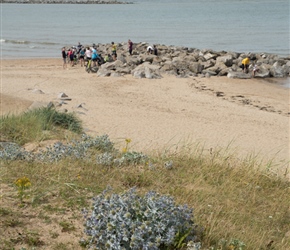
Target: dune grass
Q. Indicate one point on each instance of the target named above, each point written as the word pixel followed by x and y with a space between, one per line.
pixel 236 202
pixel 33 125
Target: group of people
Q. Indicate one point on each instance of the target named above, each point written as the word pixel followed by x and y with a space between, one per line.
pixel 85 54
pixel 246 63
pixel 152 50
pixel 79 53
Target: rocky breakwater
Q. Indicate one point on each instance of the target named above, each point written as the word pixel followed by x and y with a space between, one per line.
pixel 64 2
pixel 189 62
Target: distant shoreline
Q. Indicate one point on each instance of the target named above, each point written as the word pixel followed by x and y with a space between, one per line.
pixel 275 81
pixel 64 2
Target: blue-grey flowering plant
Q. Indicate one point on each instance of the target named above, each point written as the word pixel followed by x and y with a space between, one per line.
pixel 129 221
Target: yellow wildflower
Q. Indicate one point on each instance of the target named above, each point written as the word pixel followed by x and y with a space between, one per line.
pixel 128 140
pixel 23 182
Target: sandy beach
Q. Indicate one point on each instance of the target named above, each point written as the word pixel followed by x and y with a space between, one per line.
pixel 251 117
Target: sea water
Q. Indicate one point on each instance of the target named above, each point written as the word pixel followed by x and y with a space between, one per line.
pixel 41 30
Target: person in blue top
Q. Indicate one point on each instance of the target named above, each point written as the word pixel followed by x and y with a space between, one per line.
pixel 95 56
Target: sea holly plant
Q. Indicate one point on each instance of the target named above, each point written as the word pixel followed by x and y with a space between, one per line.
pixel 129 221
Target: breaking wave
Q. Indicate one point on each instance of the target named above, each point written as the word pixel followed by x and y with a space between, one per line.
pixel 25 42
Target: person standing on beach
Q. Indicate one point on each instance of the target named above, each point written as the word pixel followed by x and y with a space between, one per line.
pixel 130 46
pixel 64 56
pixel 155 51
pixel 88 55
pixel 79 47
pixel 114 51
pixel 82 56
pixel 95 56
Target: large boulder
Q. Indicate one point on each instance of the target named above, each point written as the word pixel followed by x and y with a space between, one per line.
pixel 122 59
pixel 103 72
pixel 217 68
pixel 133 61
pixel 123 70
pixel 262 72
pixel 277 70
pixel 147 58
pixel 112 65
pixel 146 70
pixel 208 63
pixel 209 72
pixel 167 67
pixel 150 73
pixel 239 75
pixel 209 56
pixel 286 69
pixel 196 67
pixel 224 72
pixel 227 60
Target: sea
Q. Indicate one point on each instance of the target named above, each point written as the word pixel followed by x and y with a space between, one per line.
pixel 41 30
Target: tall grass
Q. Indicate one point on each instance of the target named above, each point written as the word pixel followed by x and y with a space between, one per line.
pixel 33 125
pixel 233 200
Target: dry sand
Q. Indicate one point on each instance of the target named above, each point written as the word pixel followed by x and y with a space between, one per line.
pixel 249 116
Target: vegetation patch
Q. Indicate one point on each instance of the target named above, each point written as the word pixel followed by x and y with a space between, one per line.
pixel 237 204
pixel 30 126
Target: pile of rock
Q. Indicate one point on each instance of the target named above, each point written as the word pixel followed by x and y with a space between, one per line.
pixel 186 62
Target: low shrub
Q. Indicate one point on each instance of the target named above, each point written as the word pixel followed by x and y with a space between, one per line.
pixel 129 221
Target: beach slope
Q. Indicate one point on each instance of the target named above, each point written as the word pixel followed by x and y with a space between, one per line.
pixel 251 116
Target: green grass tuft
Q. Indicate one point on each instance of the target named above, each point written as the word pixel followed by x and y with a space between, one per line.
pixel 37 125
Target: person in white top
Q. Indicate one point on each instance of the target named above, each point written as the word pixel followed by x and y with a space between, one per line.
pixel 88 54
pixel 149 49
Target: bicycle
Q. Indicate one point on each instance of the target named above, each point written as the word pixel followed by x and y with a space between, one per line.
pixel 89 67
pixel 94 69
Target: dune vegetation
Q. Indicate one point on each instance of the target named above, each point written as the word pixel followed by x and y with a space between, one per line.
pixel 50 171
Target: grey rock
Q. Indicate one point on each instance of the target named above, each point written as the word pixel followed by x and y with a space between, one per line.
pixel 112 65
pixel 277 70
pixel 140 73
pixel 227 60
pixel 196 67
pixel 263 72
pixel 38 91
pixel 122 71
pixel 62 95
pixel 103 72
pixel 208 64
pixel 151 73
pixel 209 56
pixel 239 75
pixel 116 74
pixel 209 72
pixel 81 106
